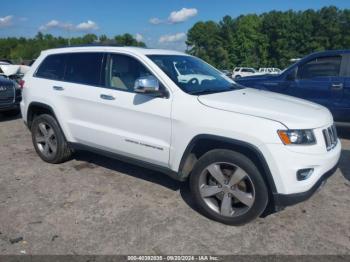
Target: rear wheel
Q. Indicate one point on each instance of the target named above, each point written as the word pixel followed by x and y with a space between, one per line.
pixel 228 187
pixel 48 140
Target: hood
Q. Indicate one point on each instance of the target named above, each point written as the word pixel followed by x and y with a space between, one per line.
pixel 294 113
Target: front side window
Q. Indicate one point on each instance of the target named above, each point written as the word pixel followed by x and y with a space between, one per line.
pixel 52 67
pixel 84 68
pixel 320 67
pixel 123 71
pixel 193 75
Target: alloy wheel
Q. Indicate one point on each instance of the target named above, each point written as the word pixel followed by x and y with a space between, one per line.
pixel 226 189
pixel 45 139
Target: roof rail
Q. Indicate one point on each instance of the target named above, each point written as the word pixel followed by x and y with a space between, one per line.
pixel 98 44
pixel 92 44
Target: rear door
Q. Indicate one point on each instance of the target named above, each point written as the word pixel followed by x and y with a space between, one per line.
pixel 319 80
pixel 73 82
pixel 80 94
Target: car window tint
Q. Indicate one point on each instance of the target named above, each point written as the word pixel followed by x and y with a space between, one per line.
pixel 320 67
pixel 52 67
pixel 84 68
pixel 123 71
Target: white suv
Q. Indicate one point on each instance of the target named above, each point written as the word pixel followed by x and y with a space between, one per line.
pixel 242 72
pixel 244 151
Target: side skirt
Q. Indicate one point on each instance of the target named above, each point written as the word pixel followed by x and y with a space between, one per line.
pixel 161 169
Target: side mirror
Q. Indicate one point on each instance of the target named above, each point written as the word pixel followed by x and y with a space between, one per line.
pixel 147 85
pixel 292 75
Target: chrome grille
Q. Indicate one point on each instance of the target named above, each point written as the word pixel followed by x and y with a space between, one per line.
pixel 330 137
pixel 7 94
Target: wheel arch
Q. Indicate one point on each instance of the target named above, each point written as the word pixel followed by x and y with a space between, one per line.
pixel 203 143
pixel 36 108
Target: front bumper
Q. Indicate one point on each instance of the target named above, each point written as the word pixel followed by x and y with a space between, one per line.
pixel 284 163
pixel 281 200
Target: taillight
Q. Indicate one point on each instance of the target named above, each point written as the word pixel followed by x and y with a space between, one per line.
pixel 21 83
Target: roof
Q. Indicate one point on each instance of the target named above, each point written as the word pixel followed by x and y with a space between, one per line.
pixel 322 53
pixel 326 53
pixel 330 52
pixel 133 50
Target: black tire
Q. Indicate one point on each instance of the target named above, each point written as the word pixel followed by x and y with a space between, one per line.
pixel 62 152
pixel 237 76
pixel 241 161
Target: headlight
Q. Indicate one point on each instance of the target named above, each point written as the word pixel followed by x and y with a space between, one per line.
pixel 297 137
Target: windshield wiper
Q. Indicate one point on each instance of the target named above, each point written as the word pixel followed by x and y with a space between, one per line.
pixel 209 91
pixel 214 90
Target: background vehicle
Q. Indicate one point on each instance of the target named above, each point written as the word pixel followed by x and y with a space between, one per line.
pixel 322 77
pixel 242 72
pixel 268 70
pixel 244 151
pixel 10 97
pixel 186 74
pixel 11 71
pixel 226 72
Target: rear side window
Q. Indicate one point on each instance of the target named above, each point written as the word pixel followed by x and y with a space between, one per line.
pixel 52 67
pixel 84 68
pixel 320 67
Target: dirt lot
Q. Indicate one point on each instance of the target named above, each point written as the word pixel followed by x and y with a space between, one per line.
pixel 96 205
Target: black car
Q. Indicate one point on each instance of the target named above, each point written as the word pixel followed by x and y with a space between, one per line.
pixel 10 97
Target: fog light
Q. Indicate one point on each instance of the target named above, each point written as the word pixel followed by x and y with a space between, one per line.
pixel 304 174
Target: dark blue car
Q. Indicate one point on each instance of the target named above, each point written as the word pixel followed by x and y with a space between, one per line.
pixel 322 77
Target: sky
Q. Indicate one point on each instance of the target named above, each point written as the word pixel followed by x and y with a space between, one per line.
pixel 158 23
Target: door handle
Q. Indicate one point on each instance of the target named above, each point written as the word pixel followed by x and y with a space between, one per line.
pixel 337 86
pixel 107 97
pixel 58 88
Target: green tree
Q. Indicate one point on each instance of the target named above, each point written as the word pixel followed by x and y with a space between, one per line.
pixel 270 39
pixel 19 49
pixel 127 40
pixel 204 41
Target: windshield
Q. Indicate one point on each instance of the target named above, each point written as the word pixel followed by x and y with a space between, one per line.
pixel 193 75
pixel 287 68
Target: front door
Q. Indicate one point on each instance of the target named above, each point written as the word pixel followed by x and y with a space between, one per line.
pixel 132 124
pixel 319 80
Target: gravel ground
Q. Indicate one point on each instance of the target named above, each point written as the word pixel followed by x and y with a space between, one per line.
pixel 96 205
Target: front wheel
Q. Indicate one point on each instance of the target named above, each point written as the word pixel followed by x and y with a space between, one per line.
pixel 228 187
